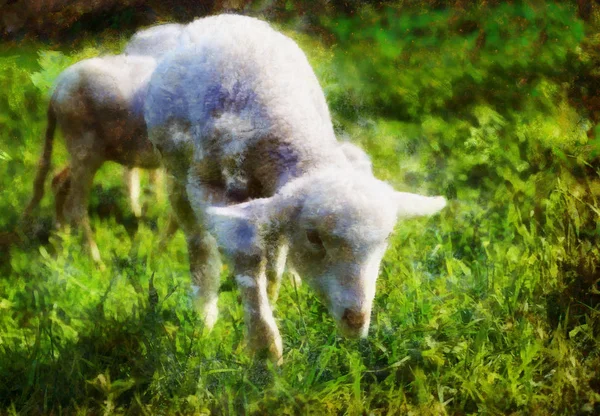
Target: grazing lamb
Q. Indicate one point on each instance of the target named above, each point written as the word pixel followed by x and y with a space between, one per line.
pixel 244 131
pixel 98 105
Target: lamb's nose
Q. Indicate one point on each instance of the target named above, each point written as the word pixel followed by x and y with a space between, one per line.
pixel 354 319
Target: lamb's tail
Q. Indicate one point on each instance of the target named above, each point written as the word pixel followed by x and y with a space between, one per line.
pixel 44 165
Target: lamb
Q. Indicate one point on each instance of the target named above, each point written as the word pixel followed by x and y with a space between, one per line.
pixel 255 170
pixel 97 103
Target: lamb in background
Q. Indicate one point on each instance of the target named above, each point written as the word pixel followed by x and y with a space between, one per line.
pixel 245 133
pixel 98 105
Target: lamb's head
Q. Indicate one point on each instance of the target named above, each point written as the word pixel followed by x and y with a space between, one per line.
pixel 336 226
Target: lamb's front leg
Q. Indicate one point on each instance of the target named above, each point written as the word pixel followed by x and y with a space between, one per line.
pixel 276 255
pixel 205 262
pixel 263 335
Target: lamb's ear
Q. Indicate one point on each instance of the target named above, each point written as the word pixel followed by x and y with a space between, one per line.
pixel 237 227
pixel 242 228
pixel 413 205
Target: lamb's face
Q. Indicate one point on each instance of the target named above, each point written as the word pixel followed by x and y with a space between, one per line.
pixel 336 224
pixel 337 245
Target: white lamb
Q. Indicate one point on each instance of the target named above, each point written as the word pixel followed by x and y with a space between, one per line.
pixel 244 131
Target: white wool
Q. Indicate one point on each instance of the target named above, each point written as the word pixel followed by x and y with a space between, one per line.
pixel 240 58
pixel 118 79
pixel 245 281
pixel 359 159
pixel 155 41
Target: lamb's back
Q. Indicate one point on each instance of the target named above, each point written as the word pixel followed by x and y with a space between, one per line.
pixel 241 68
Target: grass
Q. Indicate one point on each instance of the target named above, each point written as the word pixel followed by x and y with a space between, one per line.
pixel 490 307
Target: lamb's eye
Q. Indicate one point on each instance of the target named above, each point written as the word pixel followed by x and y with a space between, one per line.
pixel 313 237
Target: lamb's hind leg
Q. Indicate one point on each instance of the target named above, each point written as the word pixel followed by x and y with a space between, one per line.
pixel 205 262
pixel 61 184
pixel 169 231
pixel 76 204
pixel 157 181
pixel 276 254
pixel 131 177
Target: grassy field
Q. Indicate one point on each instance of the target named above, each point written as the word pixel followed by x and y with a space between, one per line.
pixel 491 307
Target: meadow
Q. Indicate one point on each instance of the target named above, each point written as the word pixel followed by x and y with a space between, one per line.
pixel 491 307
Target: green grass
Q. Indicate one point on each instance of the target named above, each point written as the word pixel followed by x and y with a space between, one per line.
pixel 490 307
